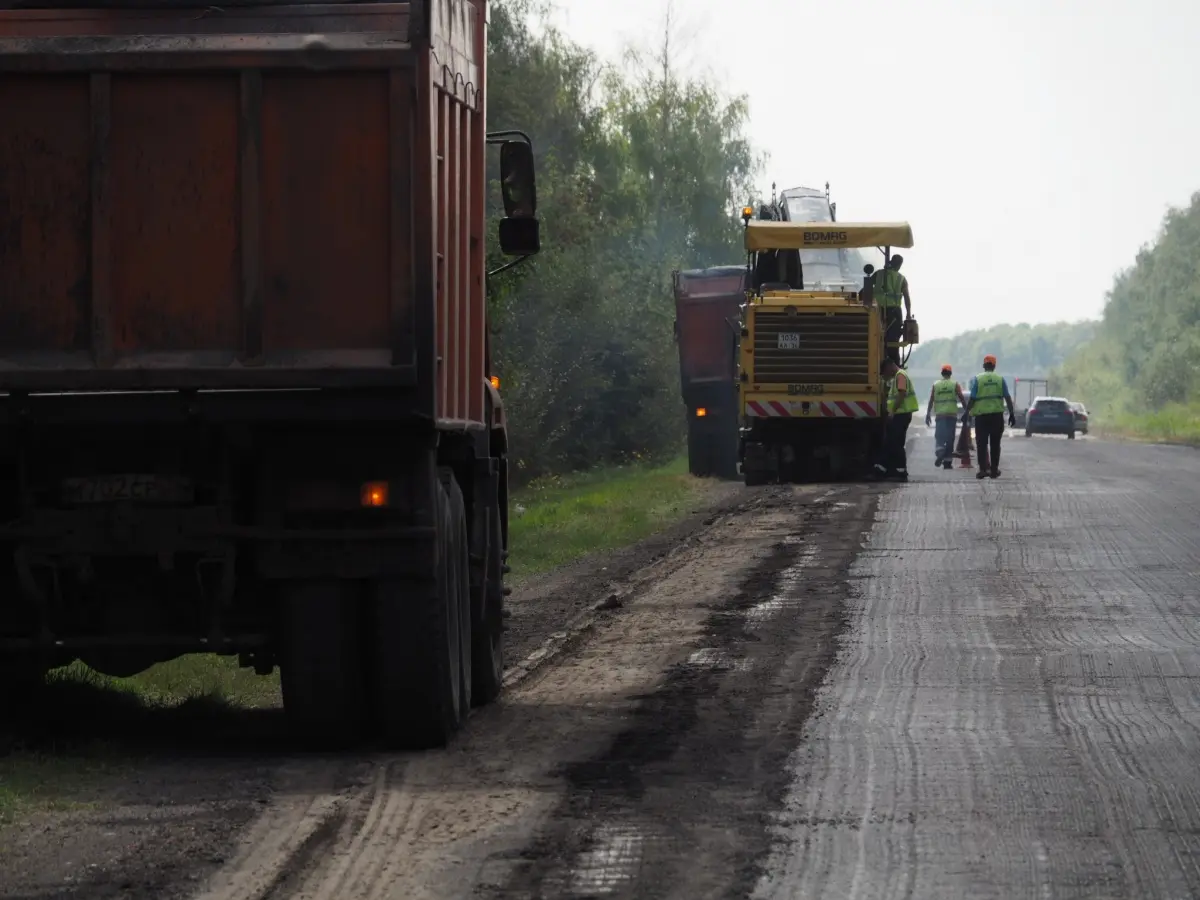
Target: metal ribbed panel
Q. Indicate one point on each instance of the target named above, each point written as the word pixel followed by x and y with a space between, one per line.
pixel 833 348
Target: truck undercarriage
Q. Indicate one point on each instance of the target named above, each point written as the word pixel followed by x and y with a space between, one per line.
pixel 140 527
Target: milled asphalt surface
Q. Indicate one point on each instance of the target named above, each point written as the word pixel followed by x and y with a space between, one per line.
pixel 1015 711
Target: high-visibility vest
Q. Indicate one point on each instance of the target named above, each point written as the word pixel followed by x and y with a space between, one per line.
pixel 910 403
pixel 945 397
pixel 989 394
pixel 888 288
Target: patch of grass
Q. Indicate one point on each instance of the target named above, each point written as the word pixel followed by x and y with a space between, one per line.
pixel 46 780
pixel 1176 423
pixel 209 678
pixel 60 735
pixel 559 519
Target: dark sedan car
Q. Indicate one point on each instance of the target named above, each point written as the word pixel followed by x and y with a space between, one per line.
pixel 1050 415
pixel 1081 417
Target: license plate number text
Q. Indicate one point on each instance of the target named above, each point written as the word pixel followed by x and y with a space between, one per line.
pixel 136 488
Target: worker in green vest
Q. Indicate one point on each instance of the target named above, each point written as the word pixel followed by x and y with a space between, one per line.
pixel 889 287
pixel 944 398
pixel 902 402
pixel 988 397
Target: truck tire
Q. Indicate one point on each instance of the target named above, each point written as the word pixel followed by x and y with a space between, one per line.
pixel 320 662
pixel 487 632
pixel 1070 435
pixel 699 453
pixel 461 570
pixel 416 642
pixel 24 685
pixel 727 457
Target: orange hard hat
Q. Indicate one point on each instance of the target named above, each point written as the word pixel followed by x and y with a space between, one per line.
pixel 989 359
pixel 946 368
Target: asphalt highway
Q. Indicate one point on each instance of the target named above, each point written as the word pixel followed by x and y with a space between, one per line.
pixel 1015 711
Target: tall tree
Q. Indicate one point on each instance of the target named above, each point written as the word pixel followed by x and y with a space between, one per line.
pixel 640 171
pixel 1147 352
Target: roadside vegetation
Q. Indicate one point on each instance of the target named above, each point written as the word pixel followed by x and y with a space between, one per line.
pixel 641 170
pixel 1140 377
pixel 1024 350
pixel 559 519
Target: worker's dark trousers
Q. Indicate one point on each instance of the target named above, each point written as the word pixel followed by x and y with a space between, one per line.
pixel 894 457
pixel 989 428
pixel 893 330
pixel 943 437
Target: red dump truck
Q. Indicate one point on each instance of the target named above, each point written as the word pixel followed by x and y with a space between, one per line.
pixel 247 400
pixel 707 311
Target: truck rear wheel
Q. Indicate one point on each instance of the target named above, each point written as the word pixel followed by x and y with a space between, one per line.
pixel 320 661
pixel 461 570
pixel 727 454
pixel 417 639
pixel 699 452
pixel 487 631
pixel 24 681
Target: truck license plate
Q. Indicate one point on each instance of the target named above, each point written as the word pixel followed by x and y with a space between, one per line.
pixel 139 488
pixel 789 340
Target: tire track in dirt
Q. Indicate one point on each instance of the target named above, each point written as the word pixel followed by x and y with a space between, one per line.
pixel 679 803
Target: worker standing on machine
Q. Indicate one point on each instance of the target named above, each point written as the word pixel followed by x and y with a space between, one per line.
pixel 944 398
pixel 889 287
pixel 988 397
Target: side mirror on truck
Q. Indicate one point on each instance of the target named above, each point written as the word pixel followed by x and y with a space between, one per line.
pixel 520 233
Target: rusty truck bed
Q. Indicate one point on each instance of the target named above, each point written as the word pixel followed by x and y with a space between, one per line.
pixel 706 311
pixel 243 198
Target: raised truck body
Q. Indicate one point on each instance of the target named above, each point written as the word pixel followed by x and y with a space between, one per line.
pixel 707 311
pixel 811 396
pixel 248 406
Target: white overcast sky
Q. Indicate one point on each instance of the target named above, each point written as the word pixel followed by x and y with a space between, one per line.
pixel 1034 145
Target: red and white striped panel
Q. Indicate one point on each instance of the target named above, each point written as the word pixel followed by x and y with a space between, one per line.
pixel 834 409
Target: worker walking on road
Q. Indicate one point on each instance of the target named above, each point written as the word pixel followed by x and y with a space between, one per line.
pixel 988 397
pixel 944 398
pixel 889 287
pixel 902 402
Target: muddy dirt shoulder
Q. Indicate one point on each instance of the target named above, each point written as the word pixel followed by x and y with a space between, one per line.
pixel 549 602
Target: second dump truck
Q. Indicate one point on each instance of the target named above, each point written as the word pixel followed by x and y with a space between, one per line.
pixel 707 312
pixel 248 399
pixel 812 397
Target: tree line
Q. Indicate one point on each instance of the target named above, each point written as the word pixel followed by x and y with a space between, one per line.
pixel 1023 351
pixel 1146 355
pixel 640 171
